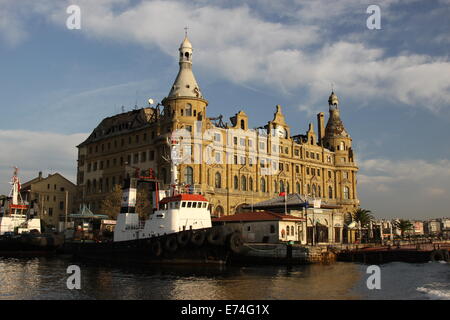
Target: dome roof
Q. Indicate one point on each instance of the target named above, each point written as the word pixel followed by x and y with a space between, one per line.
pixel 186 43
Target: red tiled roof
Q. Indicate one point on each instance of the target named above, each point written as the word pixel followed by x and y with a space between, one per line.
pixel 184 197
pixel 258 216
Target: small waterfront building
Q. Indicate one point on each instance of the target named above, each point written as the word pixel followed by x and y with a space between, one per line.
pixel 323 223
pixel 265 226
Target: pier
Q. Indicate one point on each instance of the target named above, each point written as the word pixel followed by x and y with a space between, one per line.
pixel 411 252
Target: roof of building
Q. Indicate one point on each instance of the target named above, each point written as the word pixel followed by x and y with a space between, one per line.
pixel 291 200
pixel 184 197
pixel 257 216
pixel 122 123
pixel 39 178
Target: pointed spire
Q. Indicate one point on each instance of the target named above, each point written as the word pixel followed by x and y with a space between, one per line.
pixel 185 84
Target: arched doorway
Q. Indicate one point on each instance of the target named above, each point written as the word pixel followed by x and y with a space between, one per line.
pixel 218 211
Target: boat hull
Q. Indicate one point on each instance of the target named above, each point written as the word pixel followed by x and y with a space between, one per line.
pixel 146 250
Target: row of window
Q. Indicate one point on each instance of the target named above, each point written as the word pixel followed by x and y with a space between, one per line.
pixel 246 184
pixel 185 204
pixel 131 159
pixel 136 139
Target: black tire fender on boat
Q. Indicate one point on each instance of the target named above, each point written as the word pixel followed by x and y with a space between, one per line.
pixel 183 238
pixel 156 248
pixel 235 242
pixel 171 244
pixel 445 255
pixel 437 255
pixel 216 236
pixel 198 238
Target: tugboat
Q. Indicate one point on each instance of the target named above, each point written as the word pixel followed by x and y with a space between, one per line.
pixel 20 230
pixel 178 232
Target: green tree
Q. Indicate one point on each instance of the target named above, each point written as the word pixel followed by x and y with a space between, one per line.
pixel 403 225
pixel 363 217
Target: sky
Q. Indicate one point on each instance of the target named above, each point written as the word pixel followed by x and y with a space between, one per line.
pixel 393 83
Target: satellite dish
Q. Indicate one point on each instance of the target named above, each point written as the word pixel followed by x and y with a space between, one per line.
pixel 150 101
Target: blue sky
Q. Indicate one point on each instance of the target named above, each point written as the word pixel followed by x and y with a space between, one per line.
pixel 56 84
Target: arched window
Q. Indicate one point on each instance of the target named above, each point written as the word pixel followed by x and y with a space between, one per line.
pixel 314 190
pixel 330 192
pixel 188 110
pixel 263 185
pixel 94 186
pixel 319 191
pixel 282 186
pixel 346 193
pixel 312 140
pixel 288 187
pixel 236 183
pixel 250 184
pixel 287 230
pixel 218 211
pixel 309 189
pixel 243 124
pixel 342 146
pixel 189 175
pixel 186 54
pixel 243 183
pixel 88 186
pixel 275 187
pixel 297 187
pixel 292 230
pixel 218 180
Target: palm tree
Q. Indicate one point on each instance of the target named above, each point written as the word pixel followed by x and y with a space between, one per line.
pixel 403 225
pixel 363 217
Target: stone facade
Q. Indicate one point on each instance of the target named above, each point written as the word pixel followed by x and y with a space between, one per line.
pixel 50 195
pixel 227 162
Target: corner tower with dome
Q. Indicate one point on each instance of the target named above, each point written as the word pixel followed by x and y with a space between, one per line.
pixel 318 164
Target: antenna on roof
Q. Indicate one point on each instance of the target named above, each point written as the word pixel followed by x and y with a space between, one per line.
pixel 123 109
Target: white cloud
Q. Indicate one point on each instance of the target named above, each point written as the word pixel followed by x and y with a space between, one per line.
pixel 37 151
pixel 241 45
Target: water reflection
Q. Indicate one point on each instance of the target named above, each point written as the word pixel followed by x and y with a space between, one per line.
pixel 45 278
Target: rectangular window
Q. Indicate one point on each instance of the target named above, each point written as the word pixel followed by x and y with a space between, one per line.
pixel 143 156
pixel 217 137
pixel 61 205
pixel 217 154
pixel 189 204
pixel 152 155
pixel 183 204
pixel 242 142
pixel 136 158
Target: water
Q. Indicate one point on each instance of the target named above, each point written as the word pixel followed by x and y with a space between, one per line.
pixel 45 278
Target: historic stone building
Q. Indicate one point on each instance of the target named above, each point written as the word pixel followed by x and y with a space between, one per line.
pixel 231 164
pixel 53 197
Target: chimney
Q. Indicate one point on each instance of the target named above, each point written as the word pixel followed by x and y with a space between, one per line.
pixel 40 175
pixel 321 126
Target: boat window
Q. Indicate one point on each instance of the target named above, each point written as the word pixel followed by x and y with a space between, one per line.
pixel 204 204
pixel 189 204
pixel 177 205
pixel 199 204
pixel 194 204
pixel 183 204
